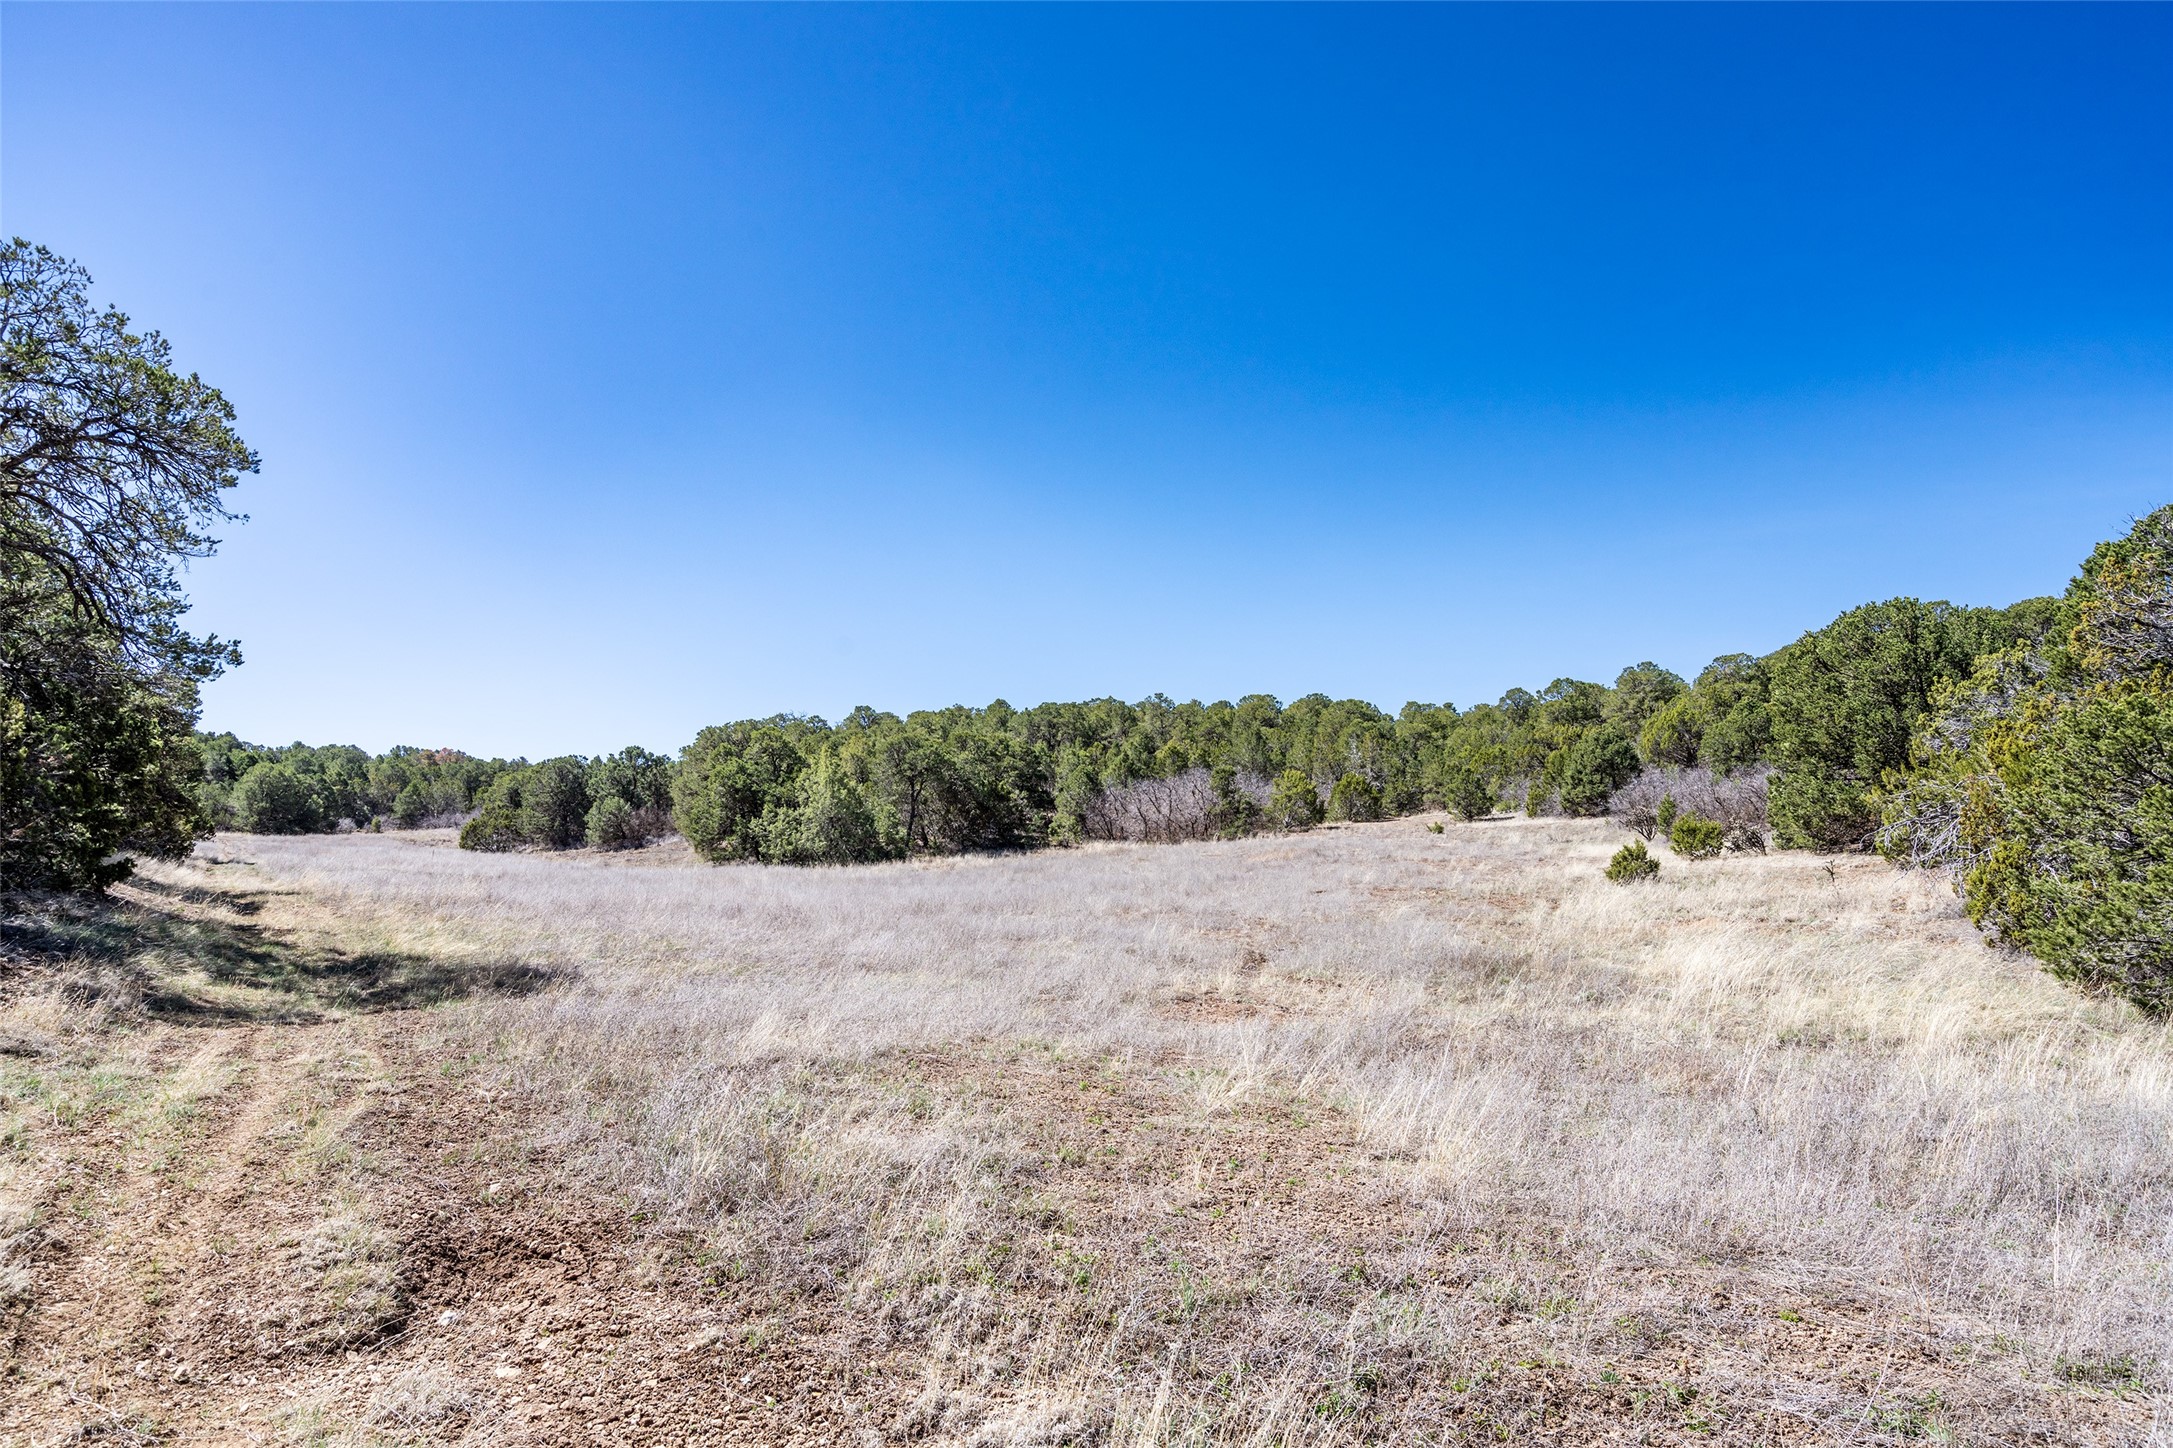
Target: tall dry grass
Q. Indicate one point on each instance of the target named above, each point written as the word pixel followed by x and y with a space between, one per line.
pixel 1806 1069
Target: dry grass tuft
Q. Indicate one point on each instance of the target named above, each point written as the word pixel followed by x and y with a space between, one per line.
pixel 420 1397
pixel 348 1272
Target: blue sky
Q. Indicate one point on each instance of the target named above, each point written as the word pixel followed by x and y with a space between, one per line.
pixel 621 370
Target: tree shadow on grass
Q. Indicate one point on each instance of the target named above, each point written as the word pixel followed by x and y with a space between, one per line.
pixel 176 947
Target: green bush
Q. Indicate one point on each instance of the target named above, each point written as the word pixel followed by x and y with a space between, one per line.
pixel 411 806
pixel 1846 700
pixel 1354 798
pixel 555 803
pixel 612 824
pixel 1664 816
pixel 1294 803
pixel 496 829
pixel 1695 837
pixel 1235 812
pixel 832 824
pixel 2045 781
pixel 96 759
pixel 1675 734
pixel 1600 762
pixel 2081 871
pixel 1467 794
pixel 1632 862
pixel 728 779
pixel 272 799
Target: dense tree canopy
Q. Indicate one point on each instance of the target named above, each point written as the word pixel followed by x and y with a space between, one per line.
pixel 112 466
pixel 2045 778
pixel 96 754
pixel 1845 700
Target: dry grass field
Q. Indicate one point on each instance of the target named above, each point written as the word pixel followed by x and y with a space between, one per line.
pixel 1368 1135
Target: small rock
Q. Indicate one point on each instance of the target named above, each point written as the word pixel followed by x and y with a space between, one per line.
pixel 448 1317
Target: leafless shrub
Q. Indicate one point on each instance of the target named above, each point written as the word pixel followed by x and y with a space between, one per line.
pixel 651 824
pixel 1164 811
pixel 1736 801
pixel 1636 806
pixel 451 819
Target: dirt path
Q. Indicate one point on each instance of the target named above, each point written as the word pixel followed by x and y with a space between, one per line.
pixel 286 1233
pixel 146 1212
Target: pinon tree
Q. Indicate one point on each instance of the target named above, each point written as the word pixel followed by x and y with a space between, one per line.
pixel 113 468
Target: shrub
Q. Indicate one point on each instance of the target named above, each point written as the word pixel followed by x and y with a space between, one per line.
pixel 1238 801
pixel 274 800
pixel 1184 806
pixel 1846 700
pixel 1295 802
pixel 1353 798
pixel 1632 862
pixel 831 825
pixel 1467 794
pixel 1694 837
pixel 1600 762
pixel 1651 803
pixel 2081 874
pixel 555 803
pixel 1637 805
pixel 611 824
pixel 2045 781
pixel 410 807
pixel 496 829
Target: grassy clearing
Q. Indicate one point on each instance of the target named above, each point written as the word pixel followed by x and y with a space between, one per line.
pixel 1373 1133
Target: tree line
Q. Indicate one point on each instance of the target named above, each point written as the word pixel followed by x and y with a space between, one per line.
pixel 1830 716
pixel 2027 751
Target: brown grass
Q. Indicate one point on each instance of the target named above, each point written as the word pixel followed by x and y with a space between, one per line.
pixel 1365 1135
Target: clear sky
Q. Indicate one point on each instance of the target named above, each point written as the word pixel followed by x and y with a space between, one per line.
pixel 621 370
